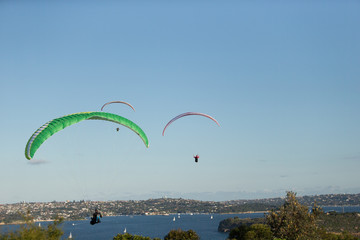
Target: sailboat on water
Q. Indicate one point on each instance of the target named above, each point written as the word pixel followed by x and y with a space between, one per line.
pixel 70 236
pixel 174 219
pixel 125 230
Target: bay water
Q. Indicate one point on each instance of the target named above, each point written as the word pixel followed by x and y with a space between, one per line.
pixel 205 225
pixel 152 226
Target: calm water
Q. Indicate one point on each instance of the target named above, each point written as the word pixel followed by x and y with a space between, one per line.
pixel 156 226
pixel 151 226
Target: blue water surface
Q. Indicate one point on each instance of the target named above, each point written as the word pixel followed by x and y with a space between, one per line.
pixel 151 226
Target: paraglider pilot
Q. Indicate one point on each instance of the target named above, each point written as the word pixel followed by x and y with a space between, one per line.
pixel 96 217
pixel 196 158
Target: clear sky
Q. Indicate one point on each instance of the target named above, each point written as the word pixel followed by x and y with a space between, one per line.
pixel 281 77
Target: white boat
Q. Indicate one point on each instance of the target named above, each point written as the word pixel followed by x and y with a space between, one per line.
pixel 174 219
pixel 211 217
pixel 125 230
pixel 70 236
pixel 39 224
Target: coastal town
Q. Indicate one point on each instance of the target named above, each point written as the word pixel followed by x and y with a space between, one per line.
pixel 75 210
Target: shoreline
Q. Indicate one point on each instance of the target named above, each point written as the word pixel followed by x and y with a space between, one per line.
pixel 24 222
pixel 69 220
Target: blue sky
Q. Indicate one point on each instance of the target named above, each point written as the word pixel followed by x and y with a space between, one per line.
pixel 281 77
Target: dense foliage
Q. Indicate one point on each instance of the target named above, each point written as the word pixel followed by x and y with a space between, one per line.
pixel 227 224
pixel 295 221
pixel 127 236
pixel 253 232
pixel 172 235
pixel 339 222
pixel 181 235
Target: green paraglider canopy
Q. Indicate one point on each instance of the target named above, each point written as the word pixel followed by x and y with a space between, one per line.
pixel 57 124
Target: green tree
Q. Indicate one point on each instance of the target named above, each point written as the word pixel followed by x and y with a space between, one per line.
pixel 127 236
pixel 259 232
pixel 239 232
pixel 332 236
pixel 254 232
pixel 181 235
pixel 30 231
pixel 293 220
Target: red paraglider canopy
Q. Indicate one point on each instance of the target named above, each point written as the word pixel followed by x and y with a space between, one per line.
pixel 117 102
pixel 188 114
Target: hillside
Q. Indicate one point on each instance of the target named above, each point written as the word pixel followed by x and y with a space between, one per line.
pixel 80 209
